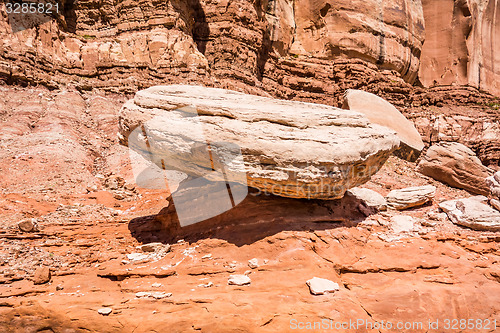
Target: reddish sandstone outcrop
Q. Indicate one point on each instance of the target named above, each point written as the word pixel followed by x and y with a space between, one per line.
pixel 457 166
pixel 461 44
pixel 387 33
pixel 52 148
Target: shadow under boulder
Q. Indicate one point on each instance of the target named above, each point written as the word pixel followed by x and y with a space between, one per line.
pixel 256 217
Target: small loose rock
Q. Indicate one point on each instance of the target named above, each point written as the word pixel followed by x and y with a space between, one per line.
pixel 28 225
pixel 239 280
pixel 42 275
pixel 402 223
pixel 253 263
pixel 105 311
pixel 319 286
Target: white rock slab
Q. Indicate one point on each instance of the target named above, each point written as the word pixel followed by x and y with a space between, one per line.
pixel 473 212
pixel 289 148
pixel 239 280
pixel 319 286
pixel 410 197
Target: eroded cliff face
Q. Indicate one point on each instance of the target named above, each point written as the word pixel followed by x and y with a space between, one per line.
pixel 462 40
pixel 93 44
pixel 387 33
pixel 129 45
pixel 297 49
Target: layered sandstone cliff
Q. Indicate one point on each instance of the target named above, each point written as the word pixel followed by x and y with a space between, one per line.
pixel 295 49
pixel 461 45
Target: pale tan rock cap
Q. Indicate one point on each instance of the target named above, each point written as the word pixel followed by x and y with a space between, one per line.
pixel 381 112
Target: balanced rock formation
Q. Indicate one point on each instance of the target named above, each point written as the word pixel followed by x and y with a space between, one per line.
pixel 291 149
pixel 456 165
pixel 381 112
pixel 410 197
pixel 473 213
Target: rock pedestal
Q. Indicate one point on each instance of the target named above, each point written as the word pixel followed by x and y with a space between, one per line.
pixel 291 149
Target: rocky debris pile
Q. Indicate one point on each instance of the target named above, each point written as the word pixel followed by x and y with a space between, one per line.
pixel 291 149
pixel 78 213
pixel 120 189
pixel 410 197
pixel 456 165
pixel 381 112
pixel 473 212
pixel 150 251
pixel 21 261
pixel 319 286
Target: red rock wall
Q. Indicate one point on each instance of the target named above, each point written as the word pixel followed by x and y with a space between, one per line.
pixel 238 44
pixel 387 33
pixel 462 43
pixel 298 49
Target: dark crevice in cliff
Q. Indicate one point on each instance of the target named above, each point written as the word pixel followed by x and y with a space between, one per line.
pixel 201 29
pixel 69 16
pixel 265 48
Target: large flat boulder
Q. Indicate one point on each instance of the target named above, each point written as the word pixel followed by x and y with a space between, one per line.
pixel 291 149
pixel 381 112
pixel 456 165
pixel 473 213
